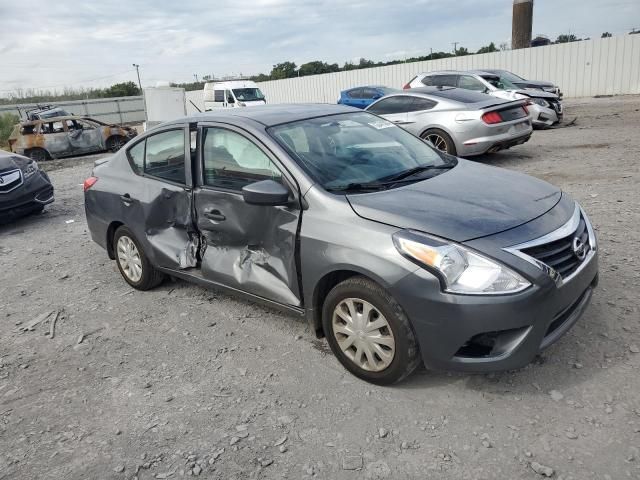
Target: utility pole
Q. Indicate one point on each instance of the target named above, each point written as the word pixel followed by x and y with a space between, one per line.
pixel 138 72
pixel 431 54
pixel 455 47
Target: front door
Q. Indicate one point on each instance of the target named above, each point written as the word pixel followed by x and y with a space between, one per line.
pixel 250 248
pixel 84 136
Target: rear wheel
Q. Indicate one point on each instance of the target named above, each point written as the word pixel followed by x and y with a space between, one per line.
pixel 38 154
pixel 132 262
pixel 369 332
pixel 115 143
pixel 440 140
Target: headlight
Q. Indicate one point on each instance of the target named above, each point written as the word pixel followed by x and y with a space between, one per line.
pixel 540 101
pixel 30 169
pixel 460 269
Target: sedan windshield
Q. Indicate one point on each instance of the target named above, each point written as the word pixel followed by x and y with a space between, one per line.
pixel 248 94
pixel 358 151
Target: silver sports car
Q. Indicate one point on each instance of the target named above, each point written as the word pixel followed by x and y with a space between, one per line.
pixel 457 121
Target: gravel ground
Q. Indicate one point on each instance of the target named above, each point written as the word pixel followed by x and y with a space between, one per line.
pixel 187 381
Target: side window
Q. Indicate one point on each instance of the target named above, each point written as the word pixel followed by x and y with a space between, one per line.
pixel 369 93
pixel 420 104
pixel 136 157
pixel 444 80
pixel 470 83
pixel 218 96
pixel 164 156
pixel 355 93
pixel 428 81
pixel 233 161
pixel 398 104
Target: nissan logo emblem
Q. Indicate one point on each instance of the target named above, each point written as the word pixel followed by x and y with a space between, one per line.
pixel 579 249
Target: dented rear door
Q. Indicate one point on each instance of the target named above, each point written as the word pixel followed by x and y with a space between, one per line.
pixel 155 201
pixel 246 247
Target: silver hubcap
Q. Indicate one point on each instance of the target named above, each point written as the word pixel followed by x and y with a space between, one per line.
pixel 363 334
pixel 437 141
pixel 129 259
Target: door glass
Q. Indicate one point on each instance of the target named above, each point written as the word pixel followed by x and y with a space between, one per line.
pixel 444 80
pixel 164 157
pixel 469 83
pixel 233 161
pixel 136 157
pixel 399 104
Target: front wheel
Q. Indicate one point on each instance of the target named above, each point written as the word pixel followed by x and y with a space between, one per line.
pixel 133 264
pixel 440 140
pixel 369 332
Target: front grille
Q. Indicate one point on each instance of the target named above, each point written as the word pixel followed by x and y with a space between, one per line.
pixel 10 180
pixel 560 254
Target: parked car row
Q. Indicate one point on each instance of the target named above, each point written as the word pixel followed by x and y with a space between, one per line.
pixel 464 113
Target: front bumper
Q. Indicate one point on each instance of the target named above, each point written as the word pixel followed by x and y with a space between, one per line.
pixel 35 192
pixel 542 117
pixel 453 330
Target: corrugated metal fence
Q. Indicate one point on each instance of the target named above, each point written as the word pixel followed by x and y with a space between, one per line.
pixel 607 66
pixel 108 110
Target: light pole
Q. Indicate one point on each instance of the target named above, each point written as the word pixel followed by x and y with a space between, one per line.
pixel 138 72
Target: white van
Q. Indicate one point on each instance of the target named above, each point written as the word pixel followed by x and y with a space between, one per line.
pixel 236 93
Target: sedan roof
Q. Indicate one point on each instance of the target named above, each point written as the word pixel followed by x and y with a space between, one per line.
pixel 269 115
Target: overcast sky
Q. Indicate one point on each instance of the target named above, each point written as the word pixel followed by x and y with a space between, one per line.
pixel 85 43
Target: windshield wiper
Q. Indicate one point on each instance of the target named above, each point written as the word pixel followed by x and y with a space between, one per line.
pixel 412 171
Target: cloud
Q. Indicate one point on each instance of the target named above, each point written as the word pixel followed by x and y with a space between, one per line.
pixel 65 43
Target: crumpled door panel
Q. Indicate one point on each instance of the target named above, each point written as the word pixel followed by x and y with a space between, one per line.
pixel 253 249
pixel 169 229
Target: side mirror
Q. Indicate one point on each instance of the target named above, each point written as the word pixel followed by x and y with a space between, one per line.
pixel 266 192
pixel 230 99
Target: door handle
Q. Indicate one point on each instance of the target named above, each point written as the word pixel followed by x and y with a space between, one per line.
pixel 126 198
pixel 214 215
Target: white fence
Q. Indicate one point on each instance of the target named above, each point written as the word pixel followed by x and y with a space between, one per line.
pixel 607 66
pixel 108 110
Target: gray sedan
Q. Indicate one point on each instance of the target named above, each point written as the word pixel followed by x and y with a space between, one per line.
pixel 456 121
pixel 397 253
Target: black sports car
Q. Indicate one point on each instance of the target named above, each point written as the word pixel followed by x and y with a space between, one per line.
pixel 24 188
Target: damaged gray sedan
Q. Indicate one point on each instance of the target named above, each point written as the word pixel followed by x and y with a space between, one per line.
pixel 397 253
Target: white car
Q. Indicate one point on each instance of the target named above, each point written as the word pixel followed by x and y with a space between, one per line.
pixel 545 108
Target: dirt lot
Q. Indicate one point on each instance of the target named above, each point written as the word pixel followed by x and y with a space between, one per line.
pixel 186 381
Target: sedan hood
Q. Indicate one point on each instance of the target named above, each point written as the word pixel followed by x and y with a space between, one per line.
pixel 11 161
pixel 467 202
pixel 534 84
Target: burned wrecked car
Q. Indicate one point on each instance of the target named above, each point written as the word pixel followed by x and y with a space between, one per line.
pixel 58 137
pixel 24 188
pixel 397 253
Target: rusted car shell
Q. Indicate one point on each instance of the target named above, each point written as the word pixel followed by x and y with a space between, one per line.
pixel 59 137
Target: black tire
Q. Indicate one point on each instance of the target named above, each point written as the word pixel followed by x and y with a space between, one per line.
pixel 445 144
pixel 38 154
pixel 115 143
pixel 407 354
pixel 150 277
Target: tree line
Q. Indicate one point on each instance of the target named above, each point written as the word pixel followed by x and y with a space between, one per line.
pixel 31 95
